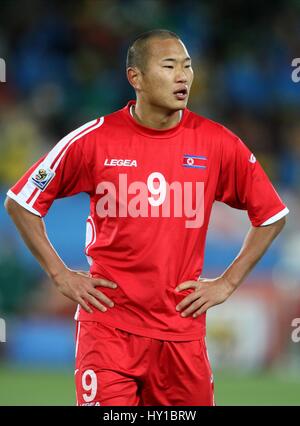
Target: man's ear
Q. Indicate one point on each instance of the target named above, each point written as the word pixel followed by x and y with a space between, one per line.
pixel 134 77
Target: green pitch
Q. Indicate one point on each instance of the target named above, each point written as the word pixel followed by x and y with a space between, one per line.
pixel 25 387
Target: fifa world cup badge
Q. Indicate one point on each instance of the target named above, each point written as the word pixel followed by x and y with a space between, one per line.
pixel 41 177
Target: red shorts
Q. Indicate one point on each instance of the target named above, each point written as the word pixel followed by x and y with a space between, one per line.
pixel 114 367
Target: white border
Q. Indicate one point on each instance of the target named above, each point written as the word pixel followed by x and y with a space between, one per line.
pixel 22 203
pixel 77 339
pixel 276 217
pixel 59 149
pixel 76 316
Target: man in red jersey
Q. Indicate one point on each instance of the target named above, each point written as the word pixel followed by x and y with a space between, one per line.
pixel 152 170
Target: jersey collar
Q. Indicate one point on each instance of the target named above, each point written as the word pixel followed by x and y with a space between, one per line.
pixel 149 131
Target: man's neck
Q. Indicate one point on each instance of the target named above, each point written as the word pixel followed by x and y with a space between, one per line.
pixel 155 119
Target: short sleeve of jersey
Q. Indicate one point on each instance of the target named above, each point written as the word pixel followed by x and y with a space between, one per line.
pixel 60 173
pixel 243 184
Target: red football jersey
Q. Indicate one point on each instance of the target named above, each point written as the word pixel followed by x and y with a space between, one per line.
pixel 151 193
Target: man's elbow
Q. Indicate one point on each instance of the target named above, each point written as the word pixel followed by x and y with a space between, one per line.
pixel 279 224
pixel 276 227
pixel 10 205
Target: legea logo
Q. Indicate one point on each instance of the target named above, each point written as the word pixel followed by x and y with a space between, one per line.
pixel 120 162
pixel 154 198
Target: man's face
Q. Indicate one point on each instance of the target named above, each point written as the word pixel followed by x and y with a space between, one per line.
pixel 168 74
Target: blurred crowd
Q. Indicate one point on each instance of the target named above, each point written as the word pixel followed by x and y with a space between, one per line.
pixel 66 66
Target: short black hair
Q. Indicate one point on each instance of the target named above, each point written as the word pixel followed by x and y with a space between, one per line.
pixel 138 50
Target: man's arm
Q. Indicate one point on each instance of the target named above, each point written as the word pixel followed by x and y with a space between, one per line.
pixel 211 292
pixel 78 286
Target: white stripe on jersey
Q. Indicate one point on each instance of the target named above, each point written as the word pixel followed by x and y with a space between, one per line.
pixel 90 233
pixel 20 201
pixel 276 217
pixel 26 191
pixel 65 142
pixel 77 313
pixel 77 339
pixel 60 148
pixel 34 198
pixel 90 238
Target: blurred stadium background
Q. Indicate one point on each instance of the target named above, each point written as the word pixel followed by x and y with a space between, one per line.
pixel 65 66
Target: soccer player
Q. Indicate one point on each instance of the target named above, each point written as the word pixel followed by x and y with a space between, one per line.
pixel 153 170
